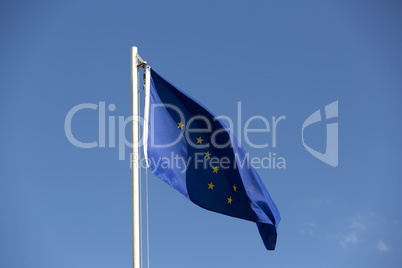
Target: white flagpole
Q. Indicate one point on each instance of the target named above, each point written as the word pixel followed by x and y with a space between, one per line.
pixel 135 157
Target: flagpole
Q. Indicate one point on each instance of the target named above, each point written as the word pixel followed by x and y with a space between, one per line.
pixel 135 158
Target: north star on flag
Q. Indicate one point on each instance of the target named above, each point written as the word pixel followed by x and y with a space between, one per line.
pixel 234 189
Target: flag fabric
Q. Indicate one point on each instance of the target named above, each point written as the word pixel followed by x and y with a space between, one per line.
pixel 193 152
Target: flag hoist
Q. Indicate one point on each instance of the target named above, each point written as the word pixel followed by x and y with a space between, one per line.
pixel 135 167
pixel 136 64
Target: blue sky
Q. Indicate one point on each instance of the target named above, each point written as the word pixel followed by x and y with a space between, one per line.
pixel 63 206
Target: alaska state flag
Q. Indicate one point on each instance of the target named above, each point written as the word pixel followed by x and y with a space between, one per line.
pixel 193 152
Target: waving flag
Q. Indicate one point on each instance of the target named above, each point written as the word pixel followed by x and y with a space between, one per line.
pixel 193 152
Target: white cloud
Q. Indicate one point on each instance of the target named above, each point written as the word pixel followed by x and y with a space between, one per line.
pixel 312 225
pixel 358 225
pixel 349 239
pixel 381 246
pixel 309 228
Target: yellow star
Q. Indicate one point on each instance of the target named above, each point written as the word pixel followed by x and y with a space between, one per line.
pixel 230 200
pixel 180 125
pixel 199 140
pixel 211 186
pixel 207 154
pixel 234 187
pixel 215 170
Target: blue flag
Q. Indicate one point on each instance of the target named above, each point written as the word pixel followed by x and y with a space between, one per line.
pixel 193 152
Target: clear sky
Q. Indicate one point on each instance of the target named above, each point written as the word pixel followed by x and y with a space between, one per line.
pixel 63 206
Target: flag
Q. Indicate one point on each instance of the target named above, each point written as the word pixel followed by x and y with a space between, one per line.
pixel 193 152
